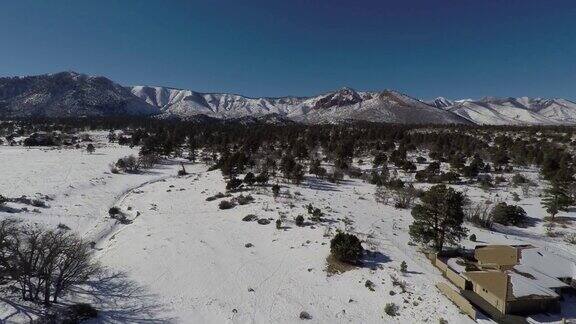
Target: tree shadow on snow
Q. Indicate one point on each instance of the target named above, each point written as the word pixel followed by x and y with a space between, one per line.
pixel 318 184
pixel 18 311
pixel 121 300
pixel 373 259
pixel 530 222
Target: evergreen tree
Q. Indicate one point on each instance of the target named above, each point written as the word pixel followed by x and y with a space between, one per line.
pixel 191 144
pixel 249 178
pixel 276 190
pixel 439 217
pixel 556 199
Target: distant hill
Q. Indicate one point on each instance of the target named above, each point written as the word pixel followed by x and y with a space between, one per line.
pixel 67 94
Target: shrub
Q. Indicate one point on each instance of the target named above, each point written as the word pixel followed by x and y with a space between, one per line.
pixel 299 220
pixel 305 316
pixel 370 285
pixel 113 211
pixel 346 247
pixel 263 221
pixel 519 179
pixel 315 213
pixel 570 238
pixel 506 214
pixel 249 179
pixel 233 183
pixel 217 196
pixel 275 190
pixel 391 309
pixel 114 169
pixel 478 214
pixel 473 237
pixel 243 200
pixel 278 224
pixel 147 161
pixel 121 217
pixel 62 226
pixel 486 182
pixel 336 176
pixel 250 218
pixel 403 266
pixel 404 198
pixel 450 177
pixel 395 184
pixel 226 204
pixel 262 178
pixel 129 164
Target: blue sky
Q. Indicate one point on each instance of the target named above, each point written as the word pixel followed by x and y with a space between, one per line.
pixel 426 48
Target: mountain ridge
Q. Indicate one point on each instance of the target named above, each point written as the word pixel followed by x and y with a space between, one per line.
pixel 72 94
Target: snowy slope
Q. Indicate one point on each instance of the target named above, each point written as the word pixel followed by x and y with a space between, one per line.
pixel 440 102
pixel 342 105
pixel 516 111
pixel 67 94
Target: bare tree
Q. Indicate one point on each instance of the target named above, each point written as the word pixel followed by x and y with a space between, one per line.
pixel 404 197
pixel 478 213
pixel 44 264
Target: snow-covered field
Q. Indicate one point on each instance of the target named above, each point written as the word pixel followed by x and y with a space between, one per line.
pixel 184 260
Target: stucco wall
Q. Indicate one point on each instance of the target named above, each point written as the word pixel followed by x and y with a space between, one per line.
pixel 490 298
pixel 457 299
pixel 455 278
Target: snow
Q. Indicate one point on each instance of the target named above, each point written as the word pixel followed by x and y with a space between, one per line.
pixel 190 262
pixel 188 258
pixel 516 111
pixel 539 278
pixel 548 263
pixel 454 265
pixel 524 287
pixel 487 111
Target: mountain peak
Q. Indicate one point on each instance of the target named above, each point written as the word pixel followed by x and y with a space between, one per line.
pixel 440 102
pixel 343 97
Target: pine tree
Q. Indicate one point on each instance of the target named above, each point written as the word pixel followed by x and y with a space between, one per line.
pixel 191 149
pixel 439 218
pixel 556 199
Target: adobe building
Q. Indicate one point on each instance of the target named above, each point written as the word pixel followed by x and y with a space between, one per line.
pixel 509 280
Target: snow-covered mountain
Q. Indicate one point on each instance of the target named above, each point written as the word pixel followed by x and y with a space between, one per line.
pixel 71 94
pixel 67 94
pixel 440 102
pixel 342 105
pixel 516 111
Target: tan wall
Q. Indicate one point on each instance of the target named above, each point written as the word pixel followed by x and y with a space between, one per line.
pixel 441 265
pixel 455 278
pixel 490 298
pixel 457 299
